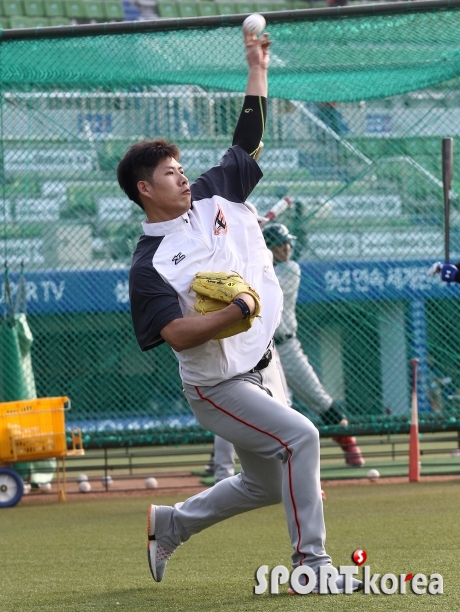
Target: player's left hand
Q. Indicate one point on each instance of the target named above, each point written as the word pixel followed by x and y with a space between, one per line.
pixel 449 273
pixel 334 415
pixel 435 269
pixel 257 50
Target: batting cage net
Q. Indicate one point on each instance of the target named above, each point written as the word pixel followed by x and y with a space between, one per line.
pixel 359 104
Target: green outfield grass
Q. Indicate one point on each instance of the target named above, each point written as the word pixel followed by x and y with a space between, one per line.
pixel 89 555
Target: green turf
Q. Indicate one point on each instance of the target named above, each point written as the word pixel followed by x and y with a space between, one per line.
pixel 90 555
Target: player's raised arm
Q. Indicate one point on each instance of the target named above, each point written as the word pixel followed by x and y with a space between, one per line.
pixel 251 124
pixel 258 58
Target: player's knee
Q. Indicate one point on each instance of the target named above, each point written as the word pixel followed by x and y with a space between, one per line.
pixel 273 496
pixel 309 434
pixel 273 489
pixel 267 493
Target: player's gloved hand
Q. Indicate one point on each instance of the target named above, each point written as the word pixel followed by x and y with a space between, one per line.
pixel 448 272
pixel 334 415
pixel 216 290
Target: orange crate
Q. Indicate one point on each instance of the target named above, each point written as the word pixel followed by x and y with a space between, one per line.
pixel 33 429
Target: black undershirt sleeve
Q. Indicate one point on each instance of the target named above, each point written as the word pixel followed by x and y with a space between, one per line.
pixel 154 302
pixel 251 124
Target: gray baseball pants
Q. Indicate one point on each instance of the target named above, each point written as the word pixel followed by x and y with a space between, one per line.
pixel 279 453
pixel 224 451
pixel 224 459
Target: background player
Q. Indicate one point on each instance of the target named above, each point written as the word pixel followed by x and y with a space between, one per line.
pixel 232 385
pixel 300 376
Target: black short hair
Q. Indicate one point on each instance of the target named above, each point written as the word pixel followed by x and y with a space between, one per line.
pixel 139 162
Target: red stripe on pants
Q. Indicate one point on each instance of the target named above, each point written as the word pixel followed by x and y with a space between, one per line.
pixel 285 446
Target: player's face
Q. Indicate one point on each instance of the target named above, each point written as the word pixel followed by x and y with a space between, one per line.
pixel 167 195
pixel 281 252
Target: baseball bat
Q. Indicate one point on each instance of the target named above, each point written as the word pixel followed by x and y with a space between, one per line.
pixel 414 443
pixel 278 208
pixel 447 171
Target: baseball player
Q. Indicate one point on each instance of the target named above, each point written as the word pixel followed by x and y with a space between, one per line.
pixel 195 235
pixel 300 376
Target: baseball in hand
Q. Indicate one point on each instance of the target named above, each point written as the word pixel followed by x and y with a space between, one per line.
pixel 254 24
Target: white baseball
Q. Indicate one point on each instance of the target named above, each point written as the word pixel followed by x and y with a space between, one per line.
pixel 84 486
pixel 45 487
pixel 373 474
pixel 151 483
pixel 82 477
pixel 254 24
pixel 107 481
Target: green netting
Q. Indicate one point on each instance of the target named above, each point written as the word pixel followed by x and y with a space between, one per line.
pixel 358 108
pixel 342 60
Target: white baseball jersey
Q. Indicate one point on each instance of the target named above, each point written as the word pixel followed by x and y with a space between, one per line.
pixel 218 234
pixel 288 273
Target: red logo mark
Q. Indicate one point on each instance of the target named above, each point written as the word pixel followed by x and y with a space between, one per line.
pixel 220 223
pixel 408 577
pixel 359 557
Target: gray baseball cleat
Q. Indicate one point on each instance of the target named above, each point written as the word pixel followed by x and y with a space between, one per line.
pixel 157 554
pixel 356 585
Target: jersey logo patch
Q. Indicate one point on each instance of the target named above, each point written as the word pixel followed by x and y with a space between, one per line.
pixel 220 223
pixel 178 258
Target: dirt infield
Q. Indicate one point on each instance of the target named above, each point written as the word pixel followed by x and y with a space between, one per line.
pixel 183 484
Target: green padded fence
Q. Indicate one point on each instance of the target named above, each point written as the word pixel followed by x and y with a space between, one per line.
pixel 358 106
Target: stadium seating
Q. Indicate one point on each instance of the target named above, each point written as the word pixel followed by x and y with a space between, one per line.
pixel 75 9
pixel 54 8
pixel 189 9
pixel 113 10
pixel 59 21
pixel 94 10
pixel 27 22
pixel 13 8
pixel 226 8
pixel 208 8
pixel 34 8
pixel 38 13
pixel 168 10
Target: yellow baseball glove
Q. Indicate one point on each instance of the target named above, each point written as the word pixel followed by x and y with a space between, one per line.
pixel 216 290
